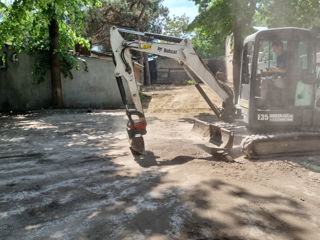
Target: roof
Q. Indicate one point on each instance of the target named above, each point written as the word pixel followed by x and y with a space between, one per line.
pixel 285 31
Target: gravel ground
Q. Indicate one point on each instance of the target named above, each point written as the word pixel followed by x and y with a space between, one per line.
pixel 69 175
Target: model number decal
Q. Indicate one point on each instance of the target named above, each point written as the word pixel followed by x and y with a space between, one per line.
pixel 263 117
pixel 281 117
pixel 275 117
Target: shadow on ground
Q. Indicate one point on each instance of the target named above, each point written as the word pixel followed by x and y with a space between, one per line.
pixel 149 159
pixel 60 179
pixel 266 220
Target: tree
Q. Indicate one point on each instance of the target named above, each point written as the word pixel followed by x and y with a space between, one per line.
pixel 48 26
pixel 177 26
pixel 125 14
pixel 2 9
pixel 223 17
pixel 141 15
pixel 143 4
pixel 208 45
pixel 294 13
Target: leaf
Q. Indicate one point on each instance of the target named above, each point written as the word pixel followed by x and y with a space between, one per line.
pixel 26 25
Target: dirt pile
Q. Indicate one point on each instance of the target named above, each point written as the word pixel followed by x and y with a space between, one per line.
pixel 178 99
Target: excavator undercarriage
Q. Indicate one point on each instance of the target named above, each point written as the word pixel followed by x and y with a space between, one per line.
pixel 253 145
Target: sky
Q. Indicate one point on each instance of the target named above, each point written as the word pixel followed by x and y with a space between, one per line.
pixel 179 7
pixel 176 7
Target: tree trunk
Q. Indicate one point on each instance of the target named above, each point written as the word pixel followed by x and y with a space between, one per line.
pixel 147 78
pixel 238 41
pixel 144 56
pixel 57 101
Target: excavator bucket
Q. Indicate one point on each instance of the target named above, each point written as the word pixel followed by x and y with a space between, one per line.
pixel 137 145
pixel 220 137
pixel 136 129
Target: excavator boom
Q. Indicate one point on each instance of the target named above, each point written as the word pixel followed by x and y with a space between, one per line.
pixel 178 49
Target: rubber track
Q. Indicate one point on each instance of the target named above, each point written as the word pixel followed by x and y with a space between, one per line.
pixel 248 143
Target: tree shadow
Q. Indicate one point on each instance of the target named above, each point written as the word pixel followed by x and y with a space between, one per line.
pixel 57 167
pixel 179 214
pixel 264 214
pixel 65 176
pixel 148 159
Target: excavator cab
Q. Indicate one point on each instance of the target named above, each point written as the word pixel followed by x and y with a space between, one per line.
pixel 279 86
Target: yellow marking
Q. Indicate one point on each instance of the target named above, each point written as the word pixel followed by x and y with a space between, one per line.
pixel 146 46
pixel 246 105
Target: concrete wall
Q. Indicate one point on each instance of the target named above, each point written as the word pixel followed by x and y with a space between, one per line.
pixel 17 89
pixel 96 88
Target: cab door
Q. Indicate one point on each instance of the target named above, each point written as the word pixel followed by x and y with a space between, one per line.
pixel 245 79
pixel 316 116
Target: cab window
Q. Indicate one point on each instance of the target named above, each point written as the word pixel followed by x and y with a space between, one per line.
pixel 247 63
pixel 268 58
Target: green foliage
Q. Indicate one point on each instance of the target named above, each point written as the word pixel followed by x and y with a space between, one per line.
pixel 152 18
pixel 131 14
pixel 216 20
pixel 41 66
pixel 190 82
pixel 25 24
pixel 142 96
pixel 294 13
pixel 2 9
pixel 177 26
pixel 259 19
pixel 214 16
pixel 67 61
pixel 208 46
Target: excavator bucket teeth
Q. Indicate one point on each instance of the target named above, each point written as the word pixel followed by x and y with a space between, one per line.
pixel 137 145
pixel 220 137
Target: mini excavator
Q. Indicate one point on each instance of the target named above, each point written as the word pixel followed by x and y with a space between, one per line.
pixel 279 95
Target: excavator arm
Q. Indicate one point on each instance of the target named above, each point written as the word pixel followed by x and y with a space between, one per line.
pixel 178 49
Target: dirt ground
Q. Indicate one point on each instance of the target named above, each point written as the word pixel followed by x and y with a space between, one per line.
pixel 69 174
